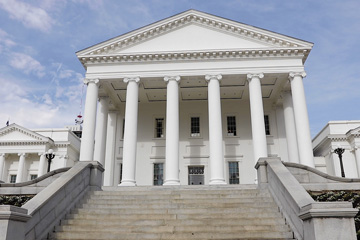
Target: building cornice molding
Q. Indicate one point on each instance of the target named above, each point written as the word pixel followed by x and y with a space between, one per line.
pixel 22 143
pixel 193 55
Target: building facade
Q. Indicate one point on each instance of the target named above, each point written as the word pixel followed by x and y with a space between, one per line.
pixel 194 99
pixel 22 151
pixel 339 134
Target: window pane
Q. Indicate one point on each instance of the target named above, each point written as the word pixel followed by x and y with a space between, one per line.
pixel 234 173
pixel 231 126
pixel 33 176
pixel 158 173
pixel 195 126
pixel 159 127
pixel 12 178
pixel 267 124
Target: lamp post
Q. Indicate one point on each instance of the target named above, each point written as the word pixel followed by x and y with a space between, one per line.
pixel 50 156
pixel 339 151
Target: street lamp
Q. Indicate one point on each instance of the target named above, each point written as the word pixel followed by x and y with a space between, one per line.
pixel 339 151
pixel 50 156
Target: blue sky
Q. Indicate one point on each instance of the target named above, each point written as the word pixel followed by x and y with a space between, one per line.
pixel 41 78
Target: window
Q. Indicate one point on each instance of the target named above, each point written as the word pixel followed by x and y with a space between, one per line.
pixel 267 124
pixel 231 126
pixel 12 178
pixel 234 173
pixel 123 129
pixel 159 127
pixel 196 175
pixel 195 127
pixel 33 176
pixel 158 174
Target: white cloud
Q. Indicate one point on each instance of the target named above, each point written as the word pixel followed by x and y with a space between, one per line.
pixel 5 39
pixel 27 64
pixel 30 16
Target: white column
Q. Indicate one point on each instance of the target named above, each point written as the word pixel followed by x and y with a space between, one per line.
pixel 130 134
pixel 110 149
pixel 357 157
pixel 41 170
pixel 88 132
pixel 257 116
pixel 290 128
pixel 100 131
pixel 172 131
pixel 215 131
pixel 20 171
pixel 301 119
pixel 2 163
pixel 64 160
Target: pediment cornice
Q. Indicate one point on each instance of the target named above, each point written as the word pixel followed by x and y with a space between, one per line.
pixel 279 44
pixel 36 139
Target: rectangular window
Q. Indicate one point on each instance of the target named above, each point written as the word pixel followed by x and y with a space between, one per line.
pixel 12 178
pixel 120 172
pixel 195 127
pixel 267 124
pixel 231 126
pixel 158 174
pixel 123 129
pixel 234 173
pixel 159 127
pixel 33 176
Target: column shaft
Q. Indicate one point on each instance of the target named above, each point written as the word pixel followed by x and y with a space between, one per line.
pixel 100 132
pixel 130 134
pixel 257 116
pixel 172 131
pixel 110 149
pixel 88 133
pixel 2 163
pixel 41 170
pixel 290 128
pixel 215 131
pixel 20 172
pixel 301 119
pixel 357 157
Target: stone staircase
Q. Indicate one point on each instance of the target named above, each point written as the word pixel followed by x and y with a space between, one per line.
pixel 186 212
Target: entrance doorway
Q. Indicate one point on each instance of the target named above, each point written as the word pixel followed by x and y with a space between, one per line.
pixel 196 175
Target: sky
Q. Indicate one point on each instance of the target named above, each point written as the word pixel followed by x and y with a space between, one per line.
pixel 41 79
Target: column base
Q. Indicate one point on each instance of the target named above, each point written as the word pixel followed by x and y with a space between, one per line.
pixel 127 183
pixel 171 183
pixel 217 182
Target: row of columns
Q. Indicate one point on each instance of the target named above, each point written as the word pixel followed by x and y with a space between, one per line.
pixel 21 166
pixel 296 123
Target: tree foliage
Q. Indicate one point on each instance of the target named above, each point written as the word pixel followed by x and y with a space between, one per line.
pixel 15 200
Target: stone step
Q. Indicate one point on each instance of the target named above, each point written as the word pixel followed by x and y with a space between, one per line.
pixel 186 236
pixel 204 210
pixel 191 205
pixel 106 200
pixel 174 222
pixel 175 229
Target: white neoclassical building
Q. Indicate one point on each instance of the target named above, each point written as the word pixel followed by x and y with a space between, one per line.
pixel 339 134
pixel 22 151
pixel 194 99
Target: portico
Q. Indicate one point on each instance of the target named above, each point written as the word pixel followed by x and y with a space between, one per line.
pixel 194 90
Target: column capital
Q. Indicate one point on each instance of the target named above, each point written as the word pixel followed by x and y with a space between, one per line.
pixel 41 153
pixel 250 76
pixel 22 154
pixel 3 154
pixel 64 156
pixel 209 77
pixel 87 81
pixel 296 74
pixel 170 78
pixel 129 79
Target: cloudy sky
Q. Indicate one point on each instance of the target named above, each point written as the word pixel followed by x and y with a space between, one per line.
pixel 41 78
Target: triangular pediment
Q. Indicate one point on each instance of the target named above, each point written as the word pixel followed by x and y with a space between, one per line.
pixel 16 133
pixel 354 132
pixel 193 31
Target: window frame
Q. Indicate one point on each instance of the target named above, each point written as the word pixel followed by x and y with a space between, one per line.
pixel 158 174
pixel 195 134
pixel 267 125
pixel 231 134
pixel 236 179
pixel 163 128
pixel 12 177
